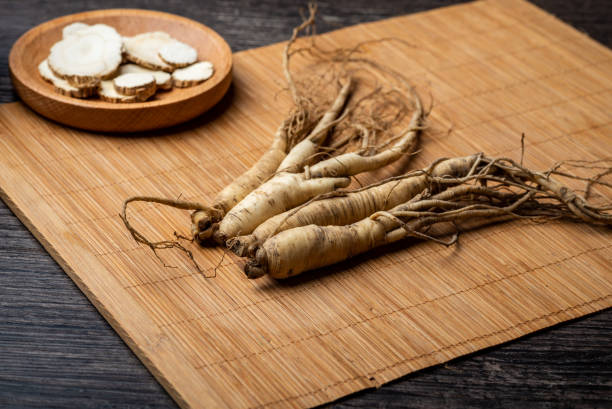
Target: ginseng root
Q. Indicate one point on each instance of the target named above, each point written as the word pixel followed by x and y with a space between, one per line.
pixel 291 172
pixel 500 189
pixel 203 222
pixel 346 207
pixel 286 190
pixel 288 138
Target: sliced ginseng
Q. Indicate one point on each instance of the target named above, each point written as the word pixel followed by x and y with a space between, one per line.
pixel 45 72
pixel 73 28
pixel 162 78
pixel 107 92
pixel 178 54
pixel 141 85
pixel 192 75
pixel 87 55
pixel 143 49
pixel 62 86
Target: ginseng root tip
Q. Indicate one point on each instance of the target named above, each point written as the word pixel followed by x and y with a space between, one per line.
pixel 236 246
pixel 242 246
pixel 253 270
pixel 258 266
pixel 219 237
pixel 204 224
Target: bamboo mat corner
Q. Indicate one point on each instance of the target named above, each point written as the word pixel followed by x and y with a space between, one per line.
pixel 498 69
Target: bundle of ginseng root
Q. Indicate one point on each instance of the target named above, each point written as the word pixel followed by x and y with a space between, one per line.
pixel 350 115
pixel 456 192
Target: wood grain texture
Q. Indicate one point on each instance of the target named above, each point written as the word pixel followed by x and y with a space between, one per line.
pixel 486 396
pixel 164 109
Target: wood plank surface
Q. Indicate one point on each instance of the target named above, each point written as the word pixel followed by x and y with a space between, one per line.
pixel 52 226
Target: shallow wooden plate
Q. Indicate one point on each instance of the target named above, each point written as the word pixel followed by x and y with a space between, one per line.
pixel 165 109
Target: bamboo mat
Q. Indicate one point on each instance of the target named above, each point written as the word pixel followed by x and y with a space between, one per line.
pixel 495 69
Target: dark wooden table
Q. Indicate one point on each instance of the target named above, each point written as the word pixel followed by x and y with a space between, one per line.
pixel 56 351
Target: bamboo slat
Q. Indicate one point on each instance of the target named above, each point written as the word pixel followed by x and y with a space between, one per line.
pixel 495 69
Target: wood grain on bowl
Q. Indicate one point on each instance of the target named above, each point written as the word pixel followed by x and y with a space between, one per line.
pixel 166 109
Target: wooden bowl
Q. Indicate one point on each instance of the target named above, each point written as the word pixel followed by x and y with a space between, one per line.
pixel 165 109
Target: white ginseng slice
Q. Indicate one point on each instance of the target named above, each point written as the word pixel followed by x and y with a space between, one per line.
pixel 107 93
pixel 87 55
pixel 162 78
pixel 62 86
pixel 73 28
pixel 45 71
pixel 192 75
pixel 178 54
pixel 143 49
pixel 140 84
pixel 109 33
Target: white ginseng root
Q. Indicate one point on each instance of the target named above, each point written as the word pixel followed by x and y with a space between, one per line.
pixel 289 187
pixel 205 218
pixel 62 86
pixel 346 207
pixel 87 55
pixel 163 80
pixel 143 49
pixel 269 171
pixel 193 74
pixel 178 54
pixel 499 189
pixel 140 85
pixel 205 221
pixel 288 190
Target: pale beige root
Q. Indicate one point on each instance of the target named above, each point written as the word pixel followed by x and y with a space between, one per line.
pixel 62 86
pixel 192 75
pixel 162 78
pixel 244 219
pixel 204 222
pixel 281 193
pixel 343 208
pixel 499 189
pixel 87 55
pixel 542 182
pixel 294 251
pixel 140 85
pixel 178 54
pixel 307 148
pixel 73 28
pixel 293 130
pixel 301 249
pixel 353 163
pixel 143 49
pixel 108 93
pixel 285 189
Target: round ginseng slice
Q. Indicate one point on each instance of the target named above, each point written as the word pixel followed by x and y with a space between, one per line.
pixel 73 28
pixel 140 85
pixel 192 75
pixel 87 55
pixel 178 54
pixel 143 49
pixel 62 86
pixel 162 78
pixel 107 92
